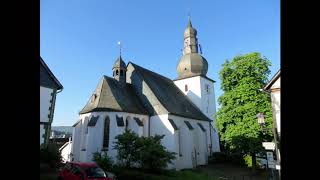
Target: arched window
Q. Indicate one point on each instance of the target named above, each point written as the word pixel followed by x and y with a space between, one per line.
pixel 121 72
pixel 127 123
pixel 117 72
pixel 185 88
pixel 106 132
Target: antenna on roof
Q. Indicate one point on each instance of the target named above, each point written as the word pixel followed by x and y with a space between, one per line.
pixel 119 43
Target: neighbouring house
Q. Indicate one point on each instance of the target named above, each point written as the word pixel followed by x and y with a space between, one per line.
pixel 61 132
pixel 148 103
pixel 49 87
pixel 274 88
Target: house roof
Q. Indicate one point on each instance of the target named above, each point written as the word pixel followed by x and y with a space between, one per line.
pixel 169 95
pixel 111 96
pixel 272 81
pixel 47 78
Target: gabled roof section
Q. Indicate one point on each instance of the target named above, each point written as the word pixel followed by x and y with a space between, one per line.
pixel 111 96
pixel 272 81
pixel 47 78
pixel 169 94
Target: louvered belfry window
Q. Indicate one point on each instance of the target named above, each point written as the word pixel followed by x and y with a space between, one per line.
pixel 106 132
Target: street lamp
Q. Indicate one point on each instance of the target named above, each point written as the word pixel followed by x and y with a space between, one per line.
pixel 261 122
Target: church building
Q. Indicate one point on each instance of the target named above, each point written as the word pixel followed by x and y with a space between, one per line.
pixel 148 103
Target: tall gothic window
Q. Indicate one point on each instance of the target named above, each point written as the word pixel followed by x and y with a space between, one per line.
pixel 106 132
pixel 121 72
pixel 127 123
pixel 185 88
pixel 117 72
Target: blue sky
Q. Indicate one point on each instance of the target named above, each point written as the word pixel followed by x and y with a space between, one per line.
pixel 78 39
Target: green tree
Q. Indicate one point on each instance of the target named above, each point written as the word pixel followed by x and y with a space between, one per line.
pixel 240 103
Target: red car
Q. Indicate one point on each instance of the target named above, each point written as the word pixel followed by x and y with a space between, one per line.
pixel 82 171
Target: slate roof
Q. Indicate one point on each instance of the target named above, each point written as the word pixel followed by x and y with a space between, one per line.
pixel 47 78
pixel 170 95
pixel 111 96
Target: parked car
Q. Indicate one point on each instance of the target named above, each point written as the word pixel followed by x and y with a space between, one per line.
pixel 83 171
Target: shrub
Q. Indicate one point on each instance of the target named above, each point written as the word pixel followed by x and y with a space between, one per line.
pixel 248 160
pixel 218 157
pixel 51 155
pixel 144 151
pixel 103 160
pixel 152 155
pixel 222 157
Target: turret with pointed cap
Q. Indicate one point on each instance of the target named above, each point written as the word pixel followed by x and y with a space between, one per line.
pixel 119 70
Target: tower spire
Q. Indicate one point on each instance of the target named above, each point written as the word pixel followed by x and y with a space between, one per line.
pixel 189 21
pixel 119 43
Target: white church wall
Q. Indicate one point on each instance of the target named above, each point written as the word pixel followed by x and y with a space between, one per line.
pixel 209 109
pixel 160 125
pixel 95 135
pixel 194 89
pixel 86 144
pixel 192 141
pixel 75 149
pixel 45 98
pixel 204 99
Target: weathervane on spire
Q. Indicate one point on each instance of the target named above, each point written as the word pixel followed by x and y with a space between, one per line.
pixel 119 43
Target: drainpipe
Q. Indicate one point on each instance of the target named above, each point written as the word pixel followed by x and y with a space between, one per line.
pixel 210 139
pixel 149 127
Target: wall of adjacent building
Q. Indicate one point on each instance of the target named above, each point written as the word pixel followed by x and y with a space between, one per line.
pixel 45 104
pixel 47 98
pixel 275 99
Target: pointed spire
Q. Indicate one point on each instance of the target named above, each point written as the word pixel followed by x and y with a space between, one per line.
pixel 189 21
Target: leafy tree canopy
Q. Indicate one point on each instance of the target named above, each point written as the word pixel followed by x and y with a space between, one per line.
pixel 241 79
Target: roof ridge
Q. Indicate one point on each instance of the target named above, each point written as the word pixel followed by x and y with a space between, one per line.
pixel 150 71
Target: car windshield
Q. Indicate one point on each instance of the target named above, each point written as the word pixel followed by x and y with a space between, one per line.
pixel 95 172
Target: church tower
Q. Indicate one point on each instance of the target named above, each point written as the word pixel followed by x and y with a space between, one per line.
pixel 119 71
pixel 192 80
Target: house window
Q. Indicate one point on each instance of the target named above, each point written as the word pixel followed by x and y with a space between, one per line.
pixel 185 88
pixel 106 132
pixel 207 88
